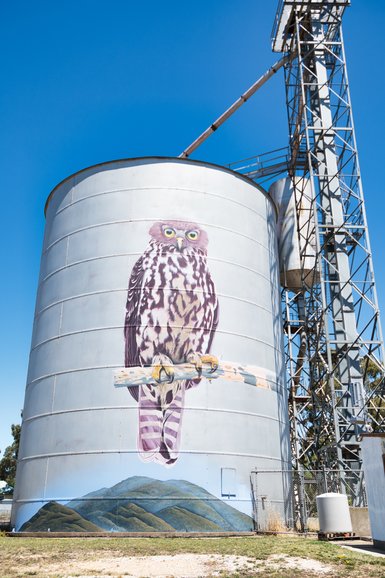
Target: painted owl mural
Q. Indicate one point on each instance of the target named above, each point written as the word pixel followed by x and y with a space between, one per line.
pixel 171 317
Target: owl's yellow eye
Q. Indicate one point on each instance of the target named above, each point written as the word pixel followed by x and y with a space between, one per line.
pixel 169 232
pixel 192 235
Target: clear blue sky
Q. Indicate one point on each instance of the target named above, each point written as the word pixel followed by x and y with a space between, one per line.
pixel 88 81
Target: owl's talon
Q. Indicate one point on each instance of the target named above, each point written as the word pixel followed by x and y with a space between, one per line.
pixel 161 363
pixel 157 371
pixel 196 360
pixel 211 360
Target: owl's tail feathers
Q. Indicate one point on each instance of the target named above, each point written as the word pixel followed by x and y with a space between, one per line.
pixel 150 423
pixel 193 382
pixel 134 392
pixel 159 426
pixel 171 430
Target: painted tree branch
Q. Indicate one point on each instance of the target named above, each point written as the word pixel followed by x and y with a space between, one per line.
pixel 249 374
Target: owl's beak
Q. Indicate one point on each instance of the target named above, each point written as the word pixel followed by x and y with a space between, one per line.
pixel 179 242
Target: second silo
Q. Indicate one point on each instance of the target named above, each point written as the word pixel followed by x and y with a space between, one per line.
pixel 161 265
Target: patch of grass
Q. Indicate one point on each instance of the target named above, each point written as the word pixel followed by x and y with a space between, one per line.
pixel 25 556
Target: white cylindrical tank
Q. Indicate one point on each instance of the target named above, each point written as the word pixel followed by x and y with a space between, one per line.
pixel 296 234
pixel 154 262
pixel 333 513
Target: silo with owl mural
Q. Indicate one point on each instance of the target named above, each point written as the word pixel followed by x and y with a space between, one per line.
pixel 156 386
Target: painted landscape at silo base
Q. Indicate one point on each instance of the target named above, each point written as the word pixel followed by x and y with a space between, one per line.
pixel 141 504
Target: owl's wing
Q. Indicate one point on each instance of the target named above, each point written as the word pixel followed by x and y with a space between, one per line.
pixel 214 324
pixel 209 325
pixel 131 357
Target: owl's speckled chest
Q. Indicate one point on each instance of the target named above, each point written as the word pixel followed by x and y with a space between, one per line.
pixel 175 294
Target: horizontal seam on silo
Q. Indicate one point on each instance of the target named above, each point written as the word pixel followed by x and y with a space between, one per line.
pixel 120 222
pixel 130 497
pixel 121 327
pixel 221 295
pixel 135 451
pixel 104 291
pixel 156 188
pixel 99 367
pixel 80 296
pixel 135 407
pixel 286 468
pixel 101 257
pixel 66 371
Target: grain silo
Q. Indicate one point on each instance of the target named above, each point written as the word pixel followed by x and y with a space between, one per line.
pixel 162 275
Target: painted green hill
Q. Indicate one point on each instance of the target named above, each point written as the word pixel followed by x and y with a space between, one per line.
pixel 233 519
pixel 141 504
pixel 131 518
pixel 157 497
pixel 58 518
pixel 185 521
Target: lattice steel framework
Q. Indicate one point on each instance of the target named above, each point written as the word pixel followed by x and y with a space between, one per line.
pixel 334 346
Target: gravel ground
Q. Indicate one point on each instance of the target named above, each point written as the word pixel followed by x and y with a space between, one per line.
pixel 233 557
pixel 181 566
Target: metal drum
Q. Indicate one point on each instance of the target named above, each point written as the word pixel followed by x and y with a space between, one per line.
pixel 160 274
pixel 333 513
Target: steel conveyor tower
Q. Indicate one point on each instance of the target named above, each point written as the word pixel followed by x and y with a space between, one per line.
pixel 334 346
